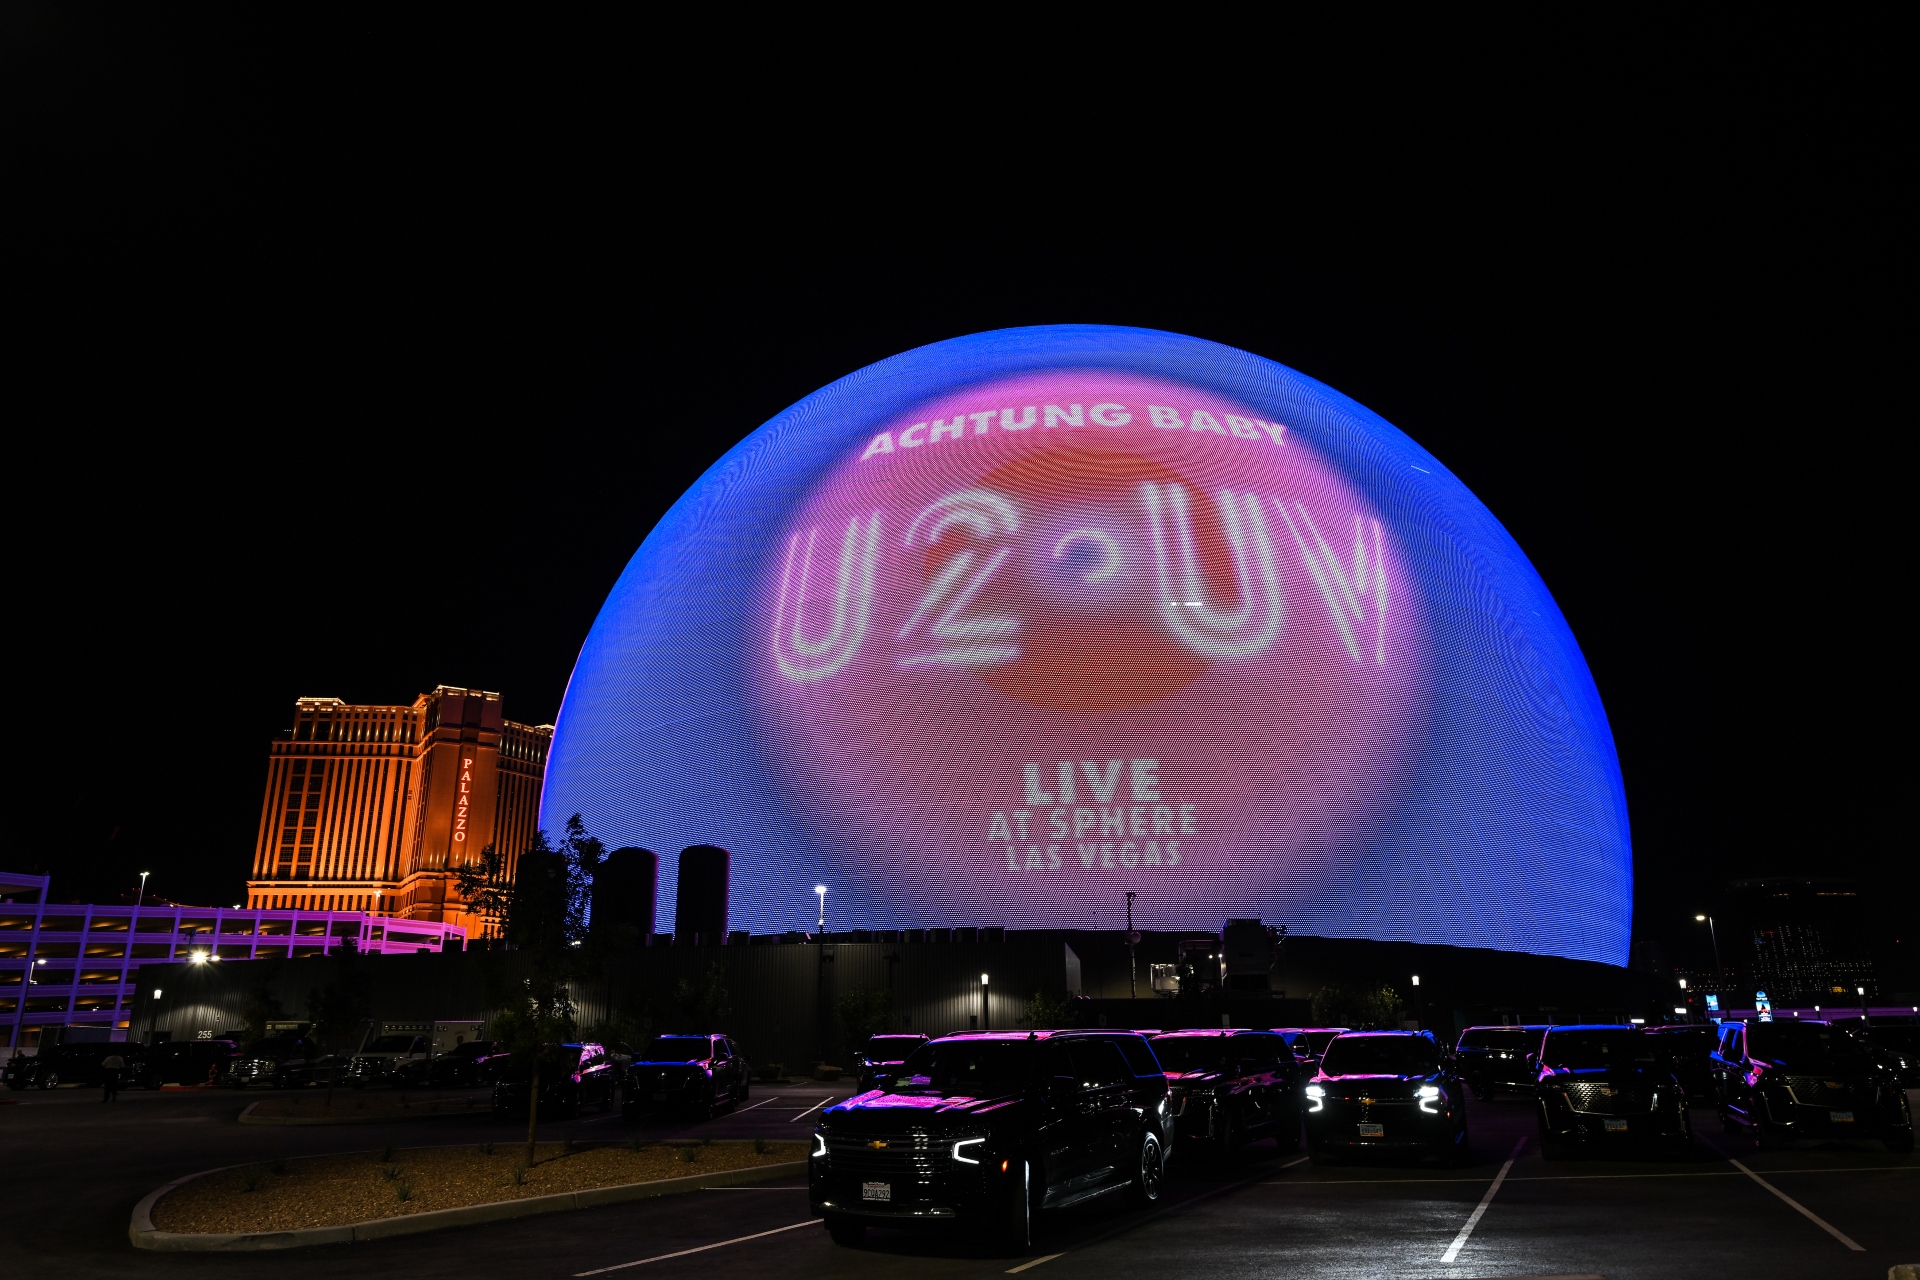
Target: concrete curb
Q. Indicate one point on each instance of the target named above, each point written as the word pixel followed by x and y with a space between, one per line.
pixel 247 1117
pixel 145 1236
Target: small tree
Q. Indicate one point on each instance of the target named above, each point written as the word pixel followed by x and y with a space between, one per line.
pixel 340 1007
pixel 864 1012
pixel 258 1009
pixel 1362 1008
pixel 486 886
pixel 1045 1010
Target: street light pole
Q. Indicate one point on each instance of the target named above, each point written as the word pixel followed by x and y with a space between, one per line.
pixel 1713 933
pixel 822 891
pixel 1133 952
pixel 986 1018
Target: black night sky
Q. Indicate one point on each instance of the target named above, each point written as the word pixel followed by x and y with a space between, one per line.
pixel 350 373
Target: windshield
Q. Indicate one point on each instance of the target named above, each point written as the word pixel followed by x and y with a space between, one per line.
pixel 1513 1039
pixel 1181 1054
pixel 1599 1048
pixel 1904 1038
pixel 1804 1044
pixel 560 1059
pixel 1381 1056
pixel 1317 1041
pixel 892 1048
pixel 391 1044
pixel 678 1049
pixel 967 1068
pixel 1700 1040
pixel 273 1045
pixel 471 1049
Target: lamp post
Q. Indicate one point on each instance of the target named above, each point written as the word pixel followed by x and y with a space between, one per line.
pixel 1133 952
pixel 1866 1019
pixel 1417 1012
pixel 986 1020
pixel 1718 973
pixel 126 961
pixel 821 890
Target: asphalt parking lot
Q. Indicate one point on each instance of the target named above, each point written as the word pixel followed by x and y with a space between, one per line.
pixel 71 1170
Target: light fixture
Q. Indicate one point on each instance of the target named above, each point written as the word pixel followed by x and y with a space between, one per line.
pixel 1699 917
pixel 983 979
pixel 1683 984
pixel 156 993
pixel 967 1142
pixel 1679 1008
pixel 1640 1022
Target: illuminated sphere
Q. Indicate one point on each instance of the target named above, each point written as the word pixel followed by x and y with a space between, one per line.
pixel 1001 628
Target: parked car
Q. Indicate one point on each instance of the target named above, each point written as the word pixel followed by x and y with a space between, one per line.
pixel 1899 1048
pixel 881 1055
pixel 55 1065
pixel 387 1060
pixel 572 1076
pixel 1607 1087
pixel 1308 1043
pixel 1229 1087
pixel 1804 1079
pixel 282 1062
pixel 692 1074
pixel 1689 1050
pixel 987 1130
pixel 1494 1059
pixel 1385 1091
pixel 182 1062
pixel 465 1066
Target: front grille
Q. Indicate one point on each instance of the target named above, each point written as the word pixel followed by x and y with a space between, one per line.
pixel 1817 1091
pixel 1610 1100
pixel 905 1155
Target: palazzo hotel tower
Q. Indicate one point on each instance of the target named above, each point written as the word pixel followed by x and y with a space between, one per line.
pixel 372 808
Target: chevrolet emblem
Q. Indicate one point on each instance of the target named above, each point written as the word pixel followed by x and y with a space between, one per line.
pixel 876 1145
pixel 1835 1084
pixel 1366 1102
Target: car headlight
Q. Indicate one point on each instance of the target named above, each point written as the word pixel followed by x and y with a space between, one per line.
pixel 964 1144
pixel 819 1144
pixel 1319 1097
pixel 1428 1095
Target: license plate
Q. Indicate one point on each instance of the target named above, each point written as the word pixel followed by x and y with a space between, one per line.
pixel 876 1191
pixel 1840 1117
pixel 1616 1126
pixel 1373 1131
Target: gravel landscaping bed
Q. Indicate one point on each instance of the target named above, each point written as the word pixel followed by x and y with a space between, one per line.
pixel 329 1191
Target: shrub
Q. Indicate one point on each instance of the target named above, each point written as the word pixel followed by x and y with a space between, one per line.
pixel 518 1177
pixel 391 1173
pixel 689 1154
pixel 486 1148
pixel 250 1180
pixel 759 1146
pixel 402 1192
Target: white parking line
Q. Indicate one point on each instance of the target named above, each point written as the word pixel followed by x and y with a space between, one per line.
pixel 600 1271
pixel 1810 1215
pixel 810 1110
pixel 1014 1271
pixel 1453 1250
pixel 774 1098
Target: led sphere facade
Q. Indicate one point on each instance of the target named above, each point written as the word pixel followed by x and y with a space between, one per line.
pixel 1002 628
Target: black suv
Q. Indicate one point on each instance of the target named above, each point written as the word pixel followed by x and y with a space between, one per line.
pixel 461 1067
pixel 1898 1044
pixel 695 1074
pixel 1600 1087
pixel 1689 1051
pixel 282 1062
pixel 572 1076
pixel 60 1064
pixel 1385 1091
pixel 1803 1079
pixel 882 1055
pixel 987 1129
pixel 1228 1087
pixel 183 1062
pixel 1492 1059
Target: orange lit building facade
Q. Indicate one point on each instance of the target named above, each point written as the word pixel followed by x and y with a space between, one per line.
pixel 371 808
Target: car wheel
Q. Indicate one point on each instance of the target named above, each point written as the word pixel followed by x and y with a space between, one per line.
pixel 708 1109
pixel 51 1080
pixel 1551 1148
pixel 1769 1138
pixel 1727 1126
pixel 745 1089
pixel 1015 1236
pixel 1286 1133
pixel 1900 1141
pixel 1150 1175
pixel 846 1234
pixel 1483 1092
